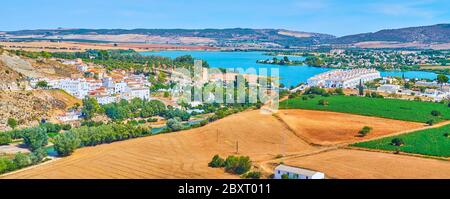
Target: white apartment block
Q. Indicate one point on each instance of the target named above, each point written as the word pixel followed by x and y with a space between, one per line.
pixel 343 78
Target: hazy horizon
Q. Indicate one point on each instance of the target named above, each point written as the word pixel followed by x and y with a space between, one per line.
pixel 321 16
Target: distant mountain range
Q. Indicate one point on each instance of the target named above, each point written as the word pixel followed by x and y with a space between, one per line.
pixel 242 37
pixel 424 34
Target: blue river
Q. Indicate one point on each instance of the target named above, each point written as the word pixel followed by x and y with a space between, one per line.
pixel 289 75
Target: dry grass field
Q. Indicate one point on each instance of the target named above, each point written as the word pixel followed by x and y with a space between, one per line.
pixel 351 164
pixel 330 128
pixel 262 137
pixel 177 155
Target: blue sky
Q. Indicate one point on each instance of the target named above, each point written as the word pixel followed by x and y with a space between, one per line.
pixel 338 17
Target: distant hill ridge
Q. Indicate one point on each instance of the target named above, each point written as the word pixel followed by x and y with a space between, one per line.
pixel 439 33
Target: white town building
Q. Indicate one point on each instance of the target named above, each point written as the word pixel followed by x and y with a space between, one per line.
pixel 389 88
pixel 343 78
pixel 296 173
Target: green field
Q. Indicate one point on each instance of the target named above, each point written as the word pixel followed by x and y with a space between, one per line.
pixel 387 108
pixel 426 142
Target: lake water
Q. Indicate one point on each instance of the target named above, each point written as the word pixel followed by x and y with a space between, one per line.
pixel 289 75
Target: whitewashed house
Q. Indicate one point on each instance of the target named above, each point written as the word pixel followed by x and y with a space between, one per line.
pixel 70 116
pixel 343 78
pixel 296 173
pixel 389 88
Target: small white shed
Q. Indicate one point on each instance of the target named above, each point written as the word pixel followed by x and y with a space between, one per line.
pixel 296 173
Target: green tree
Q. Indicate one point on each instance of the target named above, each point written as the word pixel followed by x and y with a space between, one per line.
pixel 36 138
pixel 66 143
pixel 90 107
pixel 364 131
pixel 253 175
pixel 12 123
pixel 237 165
pixel 175 124
pixel 361 88
pixel 22 160
pixel 42 84
pixel 441 79
pixel 216 162
pixel 5 138
pixel 397 142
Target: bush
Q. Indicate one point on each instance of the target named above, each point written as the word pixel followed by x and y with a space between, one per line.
pixel 364 131
pixel 6 165
pixel 12 123
pixel 38 155
pixel 152 120
pixel 35 138
pixel 217 162
pixel 436 113
pixel 175 124
pixel 5 139
pixel 66 143
pixel 397 142
pixel 66 127
pixel 447 135
pixel 285 176
pixel 323 102
pixel 430 122
pixel 252 175
pixel 237 165
pixel 22 160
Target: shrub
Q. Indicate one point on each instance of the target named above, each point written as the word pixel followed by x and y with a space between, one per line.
pixel 6 165
pixel 285 176
pixel 12 123
pixel 175 124
pixel 66 127
pixel 447 135
pixel 22 160
pixel 66 143
pixel 38 155
pixel 304 98
pixel 152 120
pixel 252 175
pixel 397 142
pixel 323 102
pixel 430 122
pixel 217 162
pixel 364 131
pixel 5 138
pixel 237 165
pixel 436 113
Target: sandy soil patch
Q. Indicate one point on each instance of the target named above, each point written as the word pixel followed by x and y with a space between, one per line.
pixel 355 164
pixel 177 155
pixel 330 128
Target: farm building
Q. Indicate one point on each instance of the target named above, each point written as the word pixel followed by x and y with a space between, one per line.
pixel 296 173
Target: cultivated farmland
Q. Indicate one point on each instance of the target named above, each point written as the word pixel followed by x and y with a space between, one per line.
pixel 414 111
pixel 178 155
pixel 434 142
pixel 355 164
pixel 330 128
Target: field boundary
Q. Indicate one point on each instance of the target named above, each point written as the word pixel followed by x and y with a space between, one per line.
pixel 393 152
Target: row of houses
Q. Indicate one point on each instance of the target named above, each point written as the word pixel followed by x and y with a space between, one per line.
pixel 344 78
pixel 106 90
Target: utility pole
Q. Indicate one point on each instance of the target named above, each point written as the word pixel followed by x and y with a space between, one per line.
pixel 217 138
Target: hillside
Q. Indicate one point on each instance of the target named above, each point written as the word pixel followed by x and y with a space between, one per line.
pixel 220 37
pixel 29 107
pixel 439 33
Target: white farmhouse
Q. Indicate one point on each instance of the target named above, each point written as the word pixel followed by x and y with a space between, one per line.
pixel 297 173
pixel 70 116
